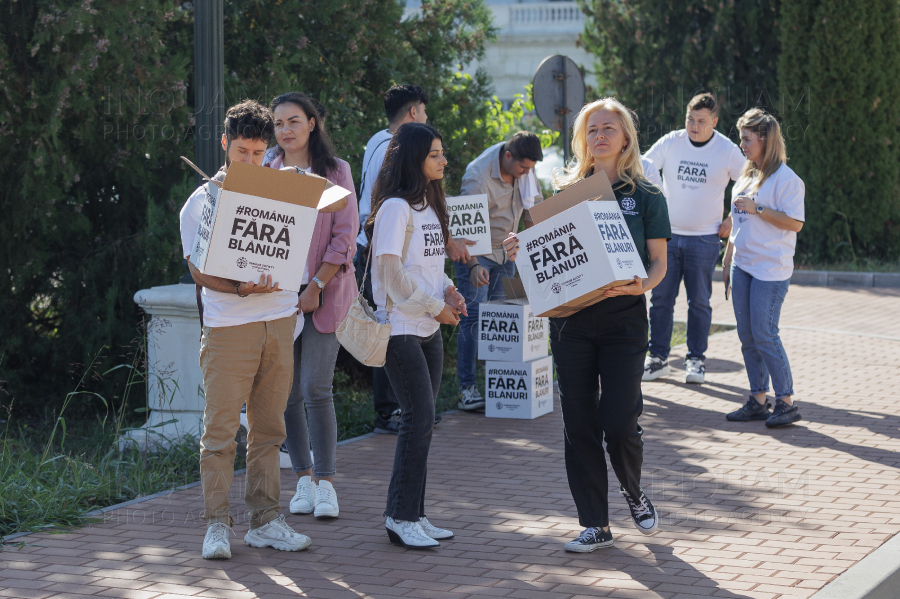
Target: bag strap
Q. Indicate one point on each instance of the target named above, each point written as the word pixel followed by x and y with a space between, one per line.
pixel 389 303
pixel 362 182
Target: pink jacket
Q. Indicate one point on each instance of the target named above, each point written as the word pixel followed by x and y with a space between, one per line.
pixel 334 241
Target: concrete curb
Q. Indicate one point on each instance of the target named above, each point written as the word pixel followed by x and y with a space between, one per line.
pixel 876 576
pixel 825 278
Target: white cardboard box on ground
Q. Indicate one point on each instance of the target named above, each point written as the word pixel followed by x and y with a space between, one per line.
pixel 577 248
pixel 469 219
pixel 508 330
pixel 260 223
pixel 522 390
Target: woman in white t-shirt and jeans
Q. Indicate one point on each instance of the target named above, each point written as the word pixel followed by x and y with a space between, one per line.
pixel 767 210
pixel 423 298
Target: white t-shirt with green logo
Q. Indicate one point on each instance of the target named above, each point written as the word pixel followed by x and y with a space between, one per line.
pixel 761 249
pixel 424 261
pixel 694 179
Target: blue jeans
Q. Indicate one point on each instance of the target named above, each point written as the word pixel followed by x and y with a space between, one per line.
pixel 315 354
pixel 467 338
pixel 414 367
pixel 757 309
pixel 692 258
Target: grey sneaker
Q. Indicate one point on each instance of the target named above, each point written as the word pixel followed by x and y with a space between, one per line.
pixel 215 543
pixel 277 534
pixel 783 414
pixel 470 399
pixel 654 368
pixel 752 410
pixel 590 539
pixel 695 371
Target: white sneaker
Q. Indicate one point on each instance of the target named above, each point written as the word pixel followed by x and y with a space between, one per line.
pixel 438 534
pixel 326 501
pixel 277 535
pixel 304 500
pixel 408 534
pixel 696 371
pixel 654 368
pixel 215 543
pixel 470 399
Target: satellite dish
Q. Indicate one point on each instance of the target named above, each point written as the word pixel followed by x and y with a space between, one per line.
pixel 558 95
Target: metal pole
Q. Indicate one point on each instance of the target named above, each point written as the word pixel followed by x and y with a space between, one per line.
pixel 209 85
pixel 565 99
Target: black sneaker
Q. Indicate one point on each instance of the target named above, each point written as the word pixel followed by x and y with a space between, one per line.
pixel 642 512
pixel 752 410
pixel 437 419
pixel 783 414
pixel 389 425
pixel 589 540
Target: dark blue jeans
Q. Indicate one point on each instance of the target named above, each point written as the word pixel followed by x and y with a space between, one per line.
pixel 467 337
pixel 757 310
pixel 413 365
pixel 692 258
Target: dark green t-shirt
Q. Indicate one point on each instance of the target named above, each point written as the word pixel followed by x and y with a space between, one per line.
pixel 646 214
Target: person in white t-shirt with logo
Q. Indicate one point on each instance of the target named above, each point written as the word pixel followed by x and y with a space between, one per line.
pixel 246 355
pixel 768 211
pixel 697 164
pixel 413 294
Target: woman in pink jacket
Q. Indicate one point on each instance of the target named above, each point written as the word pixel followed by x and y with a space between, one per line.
pixel 329 288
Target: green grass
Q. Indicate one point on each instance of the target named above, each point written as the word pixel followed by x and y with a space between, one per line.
pixel 861 265
pixel 679 332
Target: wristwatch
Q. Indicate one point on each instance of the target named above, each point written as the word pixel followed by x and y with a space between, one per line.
pixel 759 209
pixel 318 283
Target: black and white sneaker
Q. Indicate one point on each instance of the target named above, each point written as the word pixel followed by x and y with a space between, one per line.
pixel 470 399
pixel 752 410
pixel 695 371
pixel 783 414
pixel 642 512
pixel 389 425
pixel 589 540
pixel 654 368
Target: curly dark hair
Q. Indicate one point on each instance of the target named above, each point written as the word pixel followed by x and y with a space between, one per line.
pixel 250 120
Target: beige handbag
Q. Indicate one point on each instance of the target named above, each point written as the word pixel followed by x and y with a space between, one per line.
pixel 360 333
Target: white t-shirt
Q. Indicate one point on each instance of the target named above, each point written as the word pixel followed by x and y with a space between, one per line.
pixel 373 158
pixel 651 172
pixel 761 249
pixel 424 261
pixel 694 179
pixel 228 309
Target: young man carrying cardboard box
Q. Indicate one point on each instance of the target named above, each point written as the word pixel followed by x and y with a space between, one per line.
pixel 505 173
pixel 246 355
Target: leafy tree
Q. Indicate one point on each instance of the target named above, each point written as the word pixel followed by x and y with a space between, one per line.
pixel 839 69
pixel 97 107
pixel 654 56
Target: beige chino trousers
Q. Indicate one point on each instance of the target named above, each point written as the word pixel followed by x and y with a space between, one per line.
pixel 252 363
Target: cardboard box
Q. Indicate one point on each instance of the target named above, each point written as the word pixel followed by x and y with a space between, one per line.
pixel 260 223
pixel 519 389
pixel 469 219
pixel 578 247
pixel 509 330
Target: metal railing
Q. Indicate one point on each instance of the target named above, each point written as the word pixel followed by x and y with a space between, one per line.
pixel 549 15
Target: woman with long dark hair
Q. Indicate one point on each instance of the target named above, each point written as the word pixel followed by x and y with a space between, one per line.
pixel 608 340
pixel 328 289
pixel 407 231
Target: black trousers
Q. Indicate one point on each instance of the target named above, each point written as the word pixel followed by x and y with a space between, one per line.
pixel 414 366
pixel 606 341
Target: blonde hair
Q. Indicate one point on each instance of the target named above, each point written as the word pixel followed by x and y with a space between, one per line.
pixel 628 164
pixel 766 128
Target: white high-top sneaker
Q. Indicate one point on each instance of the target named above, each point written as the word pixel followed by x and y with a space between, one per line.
pixel 304 500
pixel 277 534
pixel 326 501
pixel 408 534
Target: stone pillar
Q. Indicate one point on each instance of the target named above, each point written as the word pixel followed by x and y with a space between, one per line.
pixel 175 383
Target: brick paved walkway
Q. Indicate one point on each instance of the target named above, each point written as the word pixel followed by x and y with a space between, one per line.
pixel 746 512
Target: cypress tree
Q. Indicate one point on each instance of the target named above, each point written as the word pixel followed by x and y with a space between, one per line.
pixel 844 141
